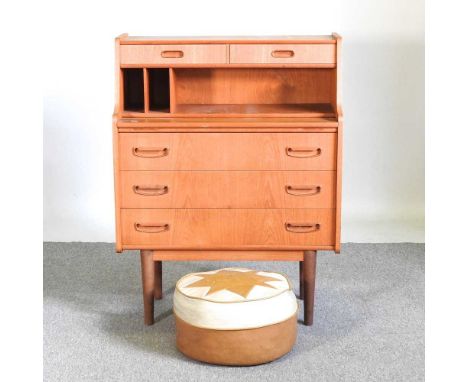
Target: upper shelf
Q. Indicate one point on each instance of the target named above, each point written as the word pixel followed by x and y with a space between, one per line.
pixel 303 109
pixel 233 92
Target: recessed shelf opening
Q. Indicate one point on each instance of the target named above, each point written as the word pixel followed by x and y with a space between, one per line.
pixel 133 90
pixel 159 92
pixel 193 92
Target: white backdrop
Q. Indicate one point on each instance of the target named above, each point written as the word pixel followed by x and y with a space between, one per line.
pixel 383 103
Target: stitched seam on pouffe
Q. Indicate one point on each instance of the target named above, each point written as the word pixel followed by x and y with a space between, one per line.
pixel 237 329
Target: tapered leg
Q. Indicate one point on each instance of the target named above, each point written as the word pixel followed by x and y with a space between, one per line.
pixel 310 262
pixel 148 272
pixel 158 280
pixel 301 281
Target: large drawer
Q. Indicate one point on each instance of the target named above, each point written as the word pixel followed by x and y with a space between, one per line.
pixel 227 151
pixel 228 189
pixel 173 54
pixel 282 54
pixel 227 228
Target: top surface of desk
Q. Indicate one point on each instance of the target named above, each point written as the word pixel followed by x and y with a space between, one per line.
pixel 142 40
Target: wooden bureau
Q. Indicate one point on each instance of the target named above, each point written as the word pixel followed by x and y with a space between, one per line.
pixel 227 149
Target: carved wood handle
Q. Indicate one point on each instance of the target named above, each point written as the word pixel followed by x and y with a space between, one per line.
pixel 303 152
pixel 282 53
pixel 150 190
pixel 151 228
pixel 302 227
pixel 150 152
pixel 303 190
pixel 172 54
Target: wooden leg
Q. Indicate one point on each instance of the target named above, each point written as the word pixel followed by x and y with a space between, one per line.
pixel 310 262
pixel 158 280
pixel 148 280
pixel 301 280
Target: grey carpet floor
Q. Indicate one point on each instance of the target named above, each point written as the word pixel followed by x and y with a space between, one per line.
pixel 369 319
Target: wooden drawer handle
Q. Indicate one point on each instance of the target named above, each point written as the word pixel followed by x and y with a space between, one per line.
pixel 282 53
pixel 172 54
pixel 150 152
pixel 302 152
pixel 151 228
pixel 150 190
pixel 303 190
pixel 302 227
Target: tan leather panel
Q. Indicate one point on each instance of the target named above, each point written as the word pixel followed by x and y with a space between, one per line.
pixel 236 280
pixel 236 347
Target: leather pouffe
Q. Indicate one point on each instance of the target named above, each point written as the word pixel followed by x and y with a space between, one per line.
pixel 235 316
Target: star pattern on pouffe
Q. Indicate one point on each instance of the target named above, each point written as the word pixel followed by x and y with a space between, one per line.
pixel 239 282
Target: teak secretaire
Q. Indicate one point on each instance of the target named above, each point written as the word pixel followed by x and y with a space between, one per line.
pixel 227 149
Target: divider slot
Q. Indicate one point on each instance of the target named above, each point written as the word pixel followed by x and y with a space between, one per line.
pixel 133 90
pixel 159 92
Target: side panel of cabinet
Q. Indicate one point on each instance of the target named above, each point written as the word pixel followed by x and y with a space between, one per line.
pixel 117 187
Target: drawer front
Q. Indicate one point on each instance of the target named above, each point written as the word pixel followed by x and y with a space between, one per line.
pixel 173 54
pixel 227 228
pixel 283 54
pixel 227 151
pixel 228 189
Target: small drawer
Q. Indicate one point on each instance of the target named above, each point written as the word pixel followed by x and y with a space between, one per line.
pixel 227 228
pixel 228 189
pixel 227 151
pixel 283 54
pixel 173 54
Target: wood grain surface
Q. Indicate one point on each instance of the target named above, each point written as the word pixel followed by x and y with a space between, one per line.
pixel 254 86
pixel 228 151
pixel 228 189
pixel 282 53
pixel 173 54
pixel 155 122
pixel 227 228
pixel 228 255
pixel 149 40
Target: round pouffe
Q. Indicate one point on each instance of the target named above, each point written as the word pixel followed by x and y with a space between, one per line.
pixel 235 316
